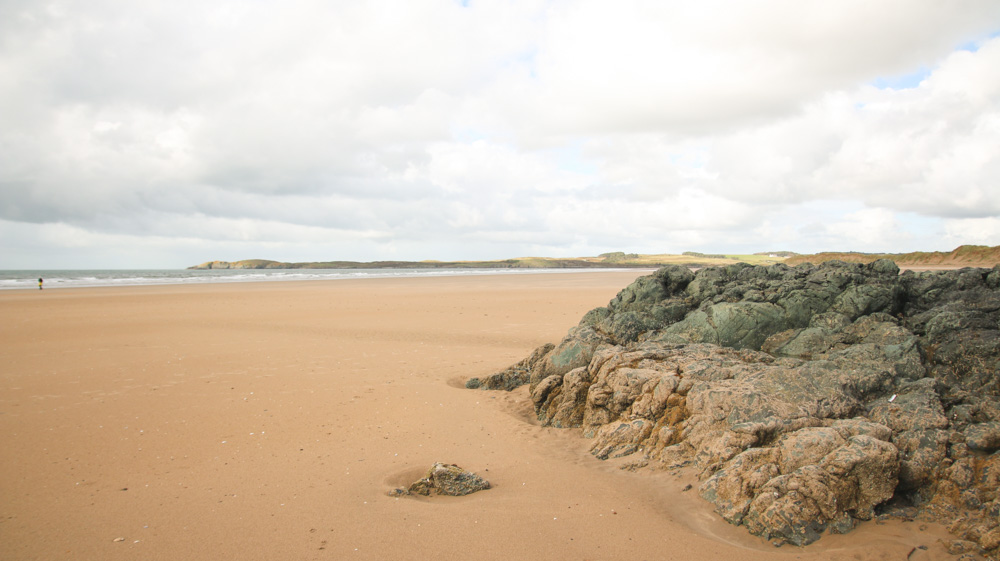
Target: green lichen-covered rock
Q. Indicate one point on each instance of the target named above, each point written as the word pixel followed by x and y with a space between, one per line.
pixel 803 398
pixel 514 376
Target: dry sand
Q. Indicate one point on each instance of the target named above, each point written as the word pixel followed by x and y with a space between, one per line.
pixel 268 421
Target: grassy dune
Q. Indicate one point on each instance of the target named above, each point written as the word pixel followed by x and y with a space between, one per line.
pixel 963 256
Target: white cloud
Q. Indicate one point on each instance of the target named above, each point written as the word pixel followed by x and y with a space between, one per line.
pixel 698 67
pixel 978 231
pixel 865 228
pixel 928 150
pixel 429 129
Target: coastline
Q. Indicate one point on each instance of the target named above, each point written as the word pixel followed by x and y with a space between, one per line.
pixel 59 279
pixel 267 420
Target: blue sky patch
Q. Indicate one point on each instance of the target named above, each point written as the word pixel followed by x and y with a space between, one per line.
pixel 902 81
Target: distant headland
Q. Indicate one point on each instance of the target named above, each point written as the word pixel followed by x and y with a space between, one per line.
pixel 616 260
pixel 963 256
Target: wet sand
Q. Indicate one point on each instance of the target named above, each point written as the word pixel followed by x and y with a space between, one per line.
pixel 268 421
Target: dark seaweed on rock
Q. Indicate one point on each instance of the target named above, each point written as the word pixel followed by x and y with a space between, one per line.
pixel 807 398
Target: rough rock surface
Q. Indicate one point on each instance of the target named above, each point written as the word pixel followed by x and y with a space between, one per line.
pixel 444 479
pixel 807 398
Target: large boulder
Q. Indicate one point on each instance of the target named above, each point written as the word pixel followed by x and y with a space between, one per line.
pixel 804 398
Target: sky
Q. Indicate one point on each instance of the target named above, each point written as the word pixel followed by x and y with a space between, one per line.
pixel 156 134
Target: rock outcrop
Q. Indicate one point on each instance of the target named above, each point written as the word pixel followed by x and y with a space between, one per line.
pixel 807 399
pixel 444 479
pixel 245 264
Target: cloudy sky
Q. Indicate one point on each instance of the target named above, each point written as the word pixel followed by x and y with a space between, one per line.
pixel 156 134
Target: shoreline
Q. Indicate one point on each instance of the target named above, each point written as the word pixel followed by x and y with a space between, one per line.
pixel 83 278
pixel 268 420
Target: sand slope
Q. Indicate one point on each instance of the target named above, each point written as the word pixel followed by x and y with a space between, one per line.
pixel 268 420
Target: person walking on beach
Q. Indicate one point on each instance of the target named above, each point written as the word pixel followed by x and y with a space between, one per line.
pixel 39 284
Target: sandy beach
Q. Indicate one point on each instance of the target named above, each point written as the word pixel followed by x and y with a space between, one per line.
pixel 269 420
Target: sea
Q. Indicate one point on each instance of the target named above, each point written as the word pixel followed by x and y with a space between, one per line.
pixel 55 279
